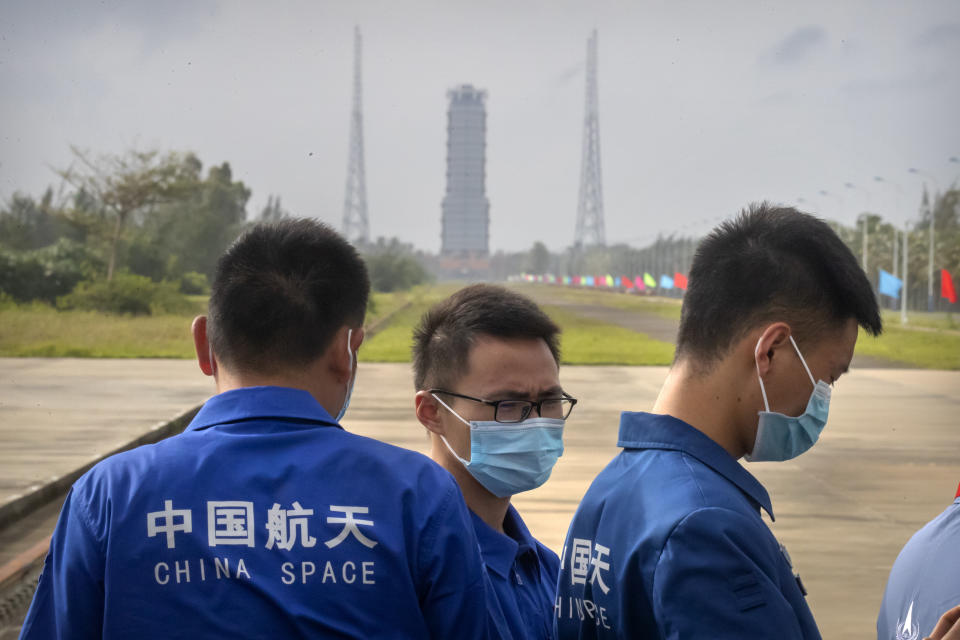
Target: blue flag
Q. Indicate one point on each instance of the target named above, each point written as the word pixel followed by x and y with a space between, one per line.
pixel 666 282
pixel 889 284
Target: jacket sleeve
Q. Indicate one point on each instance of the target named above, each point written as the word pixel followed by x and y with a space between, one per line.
pixel 719 577
pixel 458 598
pixel 68 602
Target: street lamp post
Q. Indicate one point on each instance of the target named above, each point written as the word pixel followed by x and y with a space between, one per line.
pixel 864 216
pixel 903 297
pixel 931 211
pixel 898 192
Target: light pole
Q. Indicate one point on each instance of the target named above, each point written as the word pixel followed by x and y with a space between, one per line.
pixel 898 193
pixel 931 211
pixel 865 216
pixel 903 297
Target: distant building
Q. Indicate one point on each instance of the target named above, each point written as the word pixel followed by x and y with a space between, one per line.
pixel 466 210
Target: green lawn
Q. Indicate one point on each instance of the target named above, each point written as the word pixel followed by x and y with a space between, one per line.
pixel 588 341
pixel 37 330
pixel 666 307
pixel 584 341
pixel 922 319
pixel 927 349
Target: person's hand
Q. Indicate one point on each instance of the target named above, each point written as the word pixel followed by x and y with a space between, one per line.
pixel 948 628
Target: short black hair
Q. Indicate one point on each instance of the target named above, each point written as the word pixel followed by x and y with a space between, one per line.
pixel 771 263
pixel 442 339
pixel 280 294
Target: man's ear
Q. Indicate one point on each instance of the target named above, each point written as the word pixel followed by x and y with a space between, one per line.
pixel 771 340
pixel 342 350
pixel 428 412
pixel 205 357
pixel 356 339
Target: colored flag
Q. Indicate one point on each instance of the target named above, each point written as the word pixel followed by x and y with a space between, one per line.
pixel 946 287
pixel 566 280
pixel 889 284
pixel 649 281
pixel 609 280
pixel 588 281
pixel 616 281
pixel 680 281
pixel 666 282
pixel 600 281
pixel 640 285
pixel 626 282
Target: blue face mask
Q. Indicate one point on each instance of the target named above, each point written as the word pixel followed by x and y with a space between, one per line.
pixel 353 377
pixel 511 458
pixel 781 437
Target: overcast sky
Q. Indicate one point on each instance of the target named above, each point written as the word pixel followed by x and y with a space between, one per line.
pixel 704 106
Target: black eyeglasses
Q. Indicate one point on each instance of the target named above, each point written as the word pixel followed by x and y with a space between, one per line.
pixel 511 411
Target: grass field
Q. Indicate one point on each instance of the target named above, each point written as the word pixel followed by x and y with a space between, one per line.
pixel 588 341
pixel 929 349
pixel 922 320
pixel 40 331
pixel 665 307
pixel 584 341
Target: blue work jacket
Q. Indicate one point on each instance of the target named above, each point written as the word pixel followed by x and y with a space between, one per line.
pixel 924 581
pixel 523 574
pixel 264 519
pixel 668 543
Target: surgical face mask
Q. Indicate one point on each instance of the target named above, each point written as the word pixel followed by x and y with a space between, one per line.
pixel 781 437
pixel 511 458
pixel 353 377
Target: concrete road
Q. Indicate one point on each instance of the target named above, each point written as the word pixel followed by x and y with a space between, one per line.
pixel 887 463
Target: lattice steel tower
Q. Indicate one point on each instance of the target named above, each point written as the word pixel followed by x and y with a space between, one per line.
pixel 356 226
pixel 590 229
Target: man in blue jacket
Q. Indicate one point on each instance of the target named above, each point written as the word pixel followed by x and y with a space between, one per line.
pixel 668 541
pixel 265 519
pixel 486 369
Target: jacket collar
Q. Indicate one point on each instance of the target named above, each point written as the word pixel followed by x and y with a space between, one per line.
pixel 501 550
pixel 258 403
pixel 640 430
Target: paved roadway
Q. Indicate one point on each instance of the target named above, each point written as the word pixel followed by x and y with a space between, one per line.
pixel 886 464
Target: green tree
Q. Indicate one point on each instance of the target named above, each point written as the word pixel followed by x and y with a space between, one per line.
pixel 273 211
pixel 123 184
pixel 539 258
pixel 394 266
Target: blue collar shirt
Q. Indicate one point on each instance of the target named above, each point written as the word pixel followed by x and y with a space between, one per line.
pixel 264 519
pixel 523 574
pixel 668 542
pixel 924 582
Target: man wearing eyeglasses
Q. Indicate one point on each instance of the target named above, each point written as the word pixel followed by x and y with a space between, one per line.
pixel 486 368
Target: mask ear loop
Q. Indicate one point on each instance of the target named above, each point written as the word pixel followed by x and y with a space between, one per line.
pixel 802 361
pixel 763 391
pixel 447 407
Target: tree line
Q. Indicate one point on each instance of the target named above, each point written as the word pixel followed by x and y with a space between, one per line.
pixel 135 232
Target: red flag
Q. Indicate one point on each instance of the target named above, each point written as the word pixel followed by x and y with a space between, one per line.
pixel 679 280
pixel 946 287
pixel 626 282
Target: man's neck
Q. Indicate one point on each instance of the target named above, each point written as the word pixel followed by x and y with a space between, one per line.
pixel 707 402
pixel 488 507
pixel 314 379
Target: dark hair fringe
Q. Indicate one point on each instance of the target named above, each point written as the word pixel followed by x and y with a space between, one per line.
pixel 442 339
pixel 771 263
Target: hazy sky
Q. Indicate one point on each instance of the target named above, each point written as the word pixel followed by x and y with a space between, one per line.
pixel 704 106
